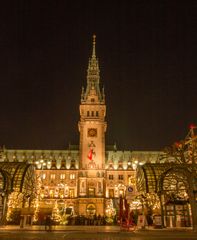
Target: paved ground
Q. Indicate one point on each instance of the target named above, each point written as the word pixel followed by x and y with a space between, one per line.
pixel 96 236
pixel 93 233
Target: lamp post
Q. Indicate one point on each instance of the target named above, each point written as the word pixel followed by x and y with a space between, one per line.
pixel 141 222
pixel 4 206
pixel 41 164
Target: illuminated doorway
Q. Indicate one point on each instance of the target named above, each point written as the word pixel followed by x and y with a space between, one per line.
pixel 91 209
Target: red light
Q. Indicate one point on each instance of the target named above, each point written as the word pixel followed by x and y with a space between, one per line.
pixel 192 126
pixel 177 144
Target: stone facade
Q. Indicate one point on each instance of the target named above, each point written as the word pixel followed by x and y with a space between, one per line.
pixel 84 178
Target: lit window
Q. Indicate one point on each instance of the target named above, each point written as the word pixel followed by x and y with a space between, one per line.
pixel 111 177
pixel 62 176
pixel 120 177
pixel 44 176
pixel 52 176
pixel 51 193
pixel 72 176
pixel 129 179
pixel 91 192
pixel 71 193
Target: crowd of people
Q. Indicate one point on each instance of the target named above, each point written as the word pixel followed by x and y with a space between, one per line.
pixel 87 220
pixel 97 220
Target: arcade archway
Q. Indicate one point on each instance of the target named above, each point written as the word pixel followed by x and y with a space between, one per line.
pixel 172 183
pixel 17 183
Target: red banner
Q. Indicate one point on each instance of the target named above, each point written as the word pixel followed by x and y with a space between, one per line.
pixel 90 154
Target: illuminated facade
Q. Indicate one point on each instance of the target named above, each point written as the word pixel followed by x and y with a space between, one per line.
pixel 90 178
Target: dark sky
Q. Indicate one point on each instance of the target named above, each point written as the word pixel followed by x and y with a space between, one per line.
pixel 147 52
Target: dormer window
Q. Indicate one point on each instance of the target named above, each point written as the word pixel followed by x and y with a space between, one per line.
pixel 92 99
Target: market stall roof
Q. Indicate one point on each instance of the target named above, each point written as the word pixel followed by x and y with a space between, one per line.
pixel 17 176
pixel 150 175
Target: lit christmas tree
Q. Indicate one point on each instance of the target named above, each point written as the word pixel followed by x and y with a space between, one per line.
pixel 56 217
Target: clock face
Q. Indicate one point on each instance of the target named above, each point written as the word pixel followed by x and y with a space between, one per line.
pixel 92 132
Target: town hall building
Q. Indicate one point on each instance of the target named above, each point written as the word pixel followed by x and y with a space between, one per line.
pixel 84 180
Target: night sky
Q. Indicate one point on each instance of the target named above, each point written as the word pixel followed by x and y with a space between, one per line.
pixel 147 53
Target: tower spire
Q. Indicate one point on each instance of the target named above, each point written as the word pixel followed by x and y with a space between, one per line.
pixel 93 76
pixel 93 66
pixel 94 47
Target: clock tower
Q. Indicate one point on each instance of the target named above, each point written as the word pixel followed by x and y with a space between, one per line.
pixel 92 125
pixel 92 128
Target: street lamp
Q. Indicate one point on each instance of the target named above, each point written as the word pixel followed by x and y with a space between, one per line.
pixel 4 203
pixel 136 163
pixel 41 164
